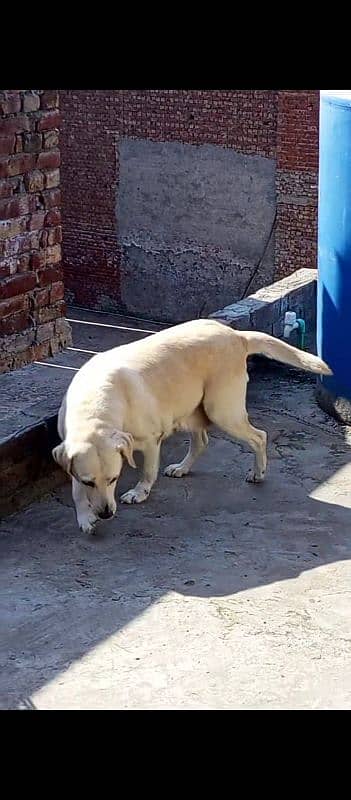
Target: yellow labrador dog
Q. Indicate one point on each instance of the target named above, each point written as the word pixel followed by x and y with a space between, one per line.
pixel 134 396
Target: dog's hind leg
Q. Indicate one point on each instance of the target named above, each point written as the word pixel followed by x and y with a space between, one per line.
pixel 225 406
pixel 196 423
pixel 141 491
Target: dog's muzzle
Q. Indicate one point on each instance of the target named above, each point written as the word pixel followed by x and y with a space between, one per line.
pixel 106 513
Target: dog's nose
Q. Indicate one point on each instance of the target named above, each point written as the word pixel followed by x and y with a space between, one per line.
pixel 106 513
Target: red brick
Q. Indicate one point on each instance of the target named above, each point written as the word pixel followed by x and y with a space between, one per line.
pixel 6 364
pixel 54 346
pixel 53 254
pixel 55 235
pixel 12 227
pixel 51 139
pixel 23 262
pixel 41 351
pixel 8 267
pixel 48 120
pixel 41 297
pixel 11 246
pixel 52 198
pixel 31 102
pixel 10 103
pixel 53 217
pixel 19 143
pixel 20 342
pixel 14 125
pixel 49 159
pixel 35 202
pixel 7 145
pixel 52 179
pixel 19 284
pixel 34 181
pixel 38 259
pixel 45 332
pixel 8 186
pixel 4 162
pixel 36 221
pixel 49 275
pixel 44 238
pixel 32 143
pixel 57 292
pixel 15 323
pixel 14 207
pixel 49 99
pixel 50 313
pixel 34 240
pixel 28 241
pixel 22 243
pixel 17 165
pixel 14 304
pixel 24 352
pixel 61 327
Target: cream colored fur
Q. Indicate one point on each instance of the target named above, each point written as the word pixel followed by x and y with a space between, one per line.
pixel 134 396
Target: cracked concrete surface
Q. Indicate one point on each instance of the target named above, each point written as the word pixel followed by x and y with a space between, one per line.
pixel 214 594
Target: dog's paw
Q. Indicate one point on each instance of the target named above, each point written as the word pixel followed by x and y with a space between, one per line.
pixel 252 477
pixel 88 530
pixel 175 471
pixel 135 496
pixel 87 524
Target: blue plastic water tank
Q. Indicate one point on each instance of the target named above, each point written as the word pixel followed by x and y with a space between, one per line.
pixel 334 240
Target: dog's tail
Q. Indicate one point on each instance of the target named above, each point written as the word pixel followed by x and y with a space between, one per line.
pixel 262 343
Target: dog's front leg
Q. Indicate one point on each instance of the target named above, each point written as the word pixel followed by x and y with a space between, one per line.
pixel 141 491
pixel 85 516
pixel 198 443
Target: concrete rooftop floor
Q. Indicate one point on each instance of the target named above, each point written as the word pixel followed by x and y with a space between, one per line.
pixel 214 594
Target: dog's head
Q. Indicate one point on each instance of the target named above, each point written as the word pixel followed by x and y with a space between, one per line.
pixel 97 466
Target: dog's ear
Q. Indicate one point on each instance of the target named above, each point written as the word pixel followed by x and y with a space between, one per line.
pixel 124 443
pixel 59 455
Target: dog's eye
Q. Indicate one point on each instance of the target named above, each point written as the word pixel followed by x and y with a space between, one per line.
pixel 113 480
pixel 89 483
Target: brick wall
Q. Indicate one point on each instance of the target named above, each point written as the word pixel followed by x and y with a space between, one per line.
pixel 276 125
pixel 90 122
pixel 31 286
pixel 94 123
pixel 296 181
pixel 243 120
